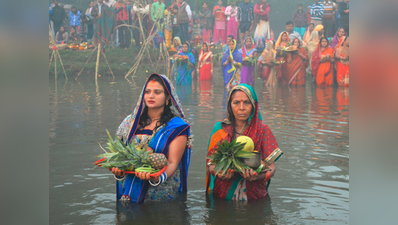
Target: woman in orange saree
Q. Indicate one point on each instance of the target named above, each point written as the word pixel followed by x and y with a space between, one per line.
pixel 205 65
pixel 283 41
pixel 322 64
pixel 244 118
pixel 296 65
pixel 342 62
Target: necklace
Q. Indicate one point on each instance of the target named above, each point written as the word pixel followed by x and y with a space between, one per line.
pixel 243 130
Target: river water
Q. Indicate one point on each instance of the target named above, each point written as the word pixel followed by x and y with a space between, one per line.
pixel 311 184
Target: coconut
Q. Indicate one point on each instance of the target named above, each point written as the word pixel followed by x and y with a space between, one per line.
pixel 249 144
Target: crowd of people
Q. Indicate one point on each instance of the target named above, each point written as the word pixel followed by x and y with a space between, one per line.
pixel 314 42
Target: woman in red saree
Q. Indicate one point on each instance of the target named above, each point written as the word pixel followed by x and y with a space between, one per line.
pixel 296 65
pixel 244 118
pixel 283 41
pixel 322 64
pixel 205 65
pixel 342 61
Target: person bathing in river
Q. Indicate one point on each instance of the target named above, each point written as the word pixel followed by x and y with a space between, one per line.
pixel 281 56
pixel 231 66
pixel 343 61
pixel 244 118
pixel 322 64
pixel 296 65
pixel 249 56
pixel 205 63
pixel 186 65
pixel 158 122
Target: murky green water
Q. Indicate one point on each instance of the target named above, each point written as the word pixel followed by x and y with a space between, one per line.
pixel 311 185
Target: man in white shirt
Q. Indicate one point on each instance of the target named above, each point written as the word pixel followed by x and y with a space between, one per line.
pixel 184 15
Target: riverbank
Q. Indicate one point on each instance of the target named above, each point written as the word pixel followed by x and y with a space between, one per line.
pixel 120 61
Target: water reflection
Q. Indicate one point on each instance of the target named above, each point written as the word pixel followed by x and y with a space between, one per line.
pixel 220 211
pixel 172 212
pixel 310 124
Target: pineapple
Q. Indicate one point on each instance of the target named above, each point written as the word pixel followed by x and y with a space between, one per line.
pixel 125 157
pixel 227 157
pixel 157 161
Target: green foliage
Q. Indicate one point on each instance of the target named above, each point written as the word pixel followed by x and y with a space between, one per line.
pixel 125 157
pixel 227 156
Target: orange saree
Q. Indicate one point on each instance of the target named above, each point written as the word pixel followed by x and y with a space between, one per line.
pixel 342 65
pixel 322 71
pixel 296 69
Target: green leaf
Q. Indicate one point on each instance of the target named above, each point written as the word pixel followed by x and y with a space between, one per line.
pixel 219 166
pixel 244 154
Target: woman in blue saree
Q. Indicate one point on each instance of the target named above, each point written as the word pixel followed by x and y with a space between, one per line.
pixel 231 66
pixel 186 65
pixel 159 123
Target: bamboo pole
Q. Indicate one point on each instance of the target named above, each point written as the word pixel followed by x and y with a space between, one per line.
pixel 55 66
pixel 109 67
pixel 52 55
pixel 86 63
pixel 62 64
pixel 96 67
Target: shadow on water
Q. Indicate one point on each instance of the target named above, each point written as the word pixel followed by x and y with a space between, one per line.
pixel 220 211
pixel 172 212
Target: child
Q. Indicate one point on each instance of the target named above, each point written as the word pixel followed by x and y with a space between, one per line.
pixel 196 32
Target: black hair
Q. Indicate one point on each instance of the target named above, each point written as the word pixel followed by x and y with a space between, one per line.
pixel 231 36
pixel 175 7
pixel 322 38
pixel 295 40
pixel 166 116
pixel 289 22
pixel 231 116
pixel 300 4
pixel 345 39
pixel 313 24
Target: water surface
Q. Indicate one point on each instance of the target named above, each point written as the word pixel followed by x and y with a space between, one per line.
pixel 311 185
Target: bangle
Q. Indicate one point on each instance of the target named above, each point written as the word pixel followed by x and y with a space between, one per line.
pixel 156 183
pixel 120 179
pixel 163 177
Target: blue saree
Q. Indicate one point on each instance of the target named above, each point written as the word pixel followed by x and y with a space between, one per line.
pixel 184 69
pixel 231 73
pixel 136 189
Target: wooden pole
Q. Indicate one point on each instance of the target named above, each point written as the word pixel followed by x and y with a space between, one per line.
pixel 55 66
pixel 86 63
pixel 96 67
pixel 113 76
pixel 59 56
pixel 52 55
